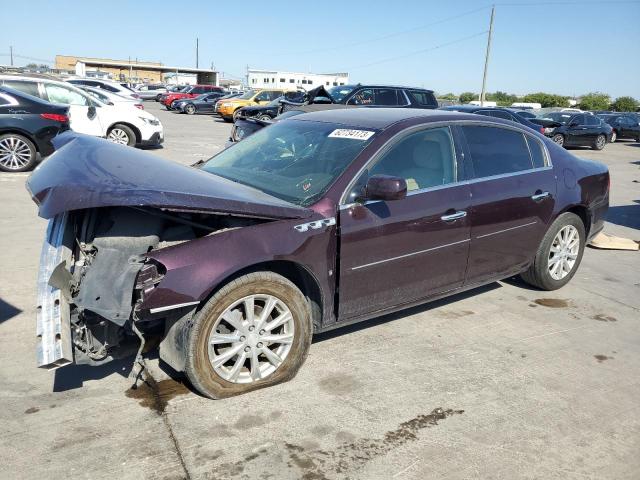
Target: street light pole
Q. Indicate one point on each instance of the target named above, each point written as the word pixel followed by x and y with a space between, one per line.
pixel 486 58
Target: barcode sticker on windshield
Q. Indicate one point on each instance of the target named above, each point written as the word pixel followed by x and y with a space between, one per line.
pixel 353 134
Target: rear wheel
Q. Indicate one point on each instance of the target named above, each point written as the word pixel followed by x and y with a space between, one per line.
pixel 122 135
pixel 236 115
pixel 17 153
pixel 190 109
pixel 253 333
pixel 559 254
pixel 264 118
pixel 559 139
pixel 599 143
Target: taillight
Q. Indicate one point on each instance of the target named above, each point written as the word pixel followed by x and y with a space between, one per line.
pixel 56 117
pixel 542 130
pixel 139 105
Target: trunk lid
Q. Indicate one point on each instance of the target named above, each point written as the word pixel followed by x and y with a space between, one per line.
pixel 88 172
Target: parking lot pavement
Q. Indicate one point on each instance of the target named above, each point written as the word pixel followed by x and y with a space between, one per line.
pixel 500 382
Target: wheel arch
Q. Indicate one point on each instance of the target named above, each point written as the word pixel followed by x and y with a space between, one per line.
pixel 583 213
pixel 18 131
pixel 295 272
pixel 135 129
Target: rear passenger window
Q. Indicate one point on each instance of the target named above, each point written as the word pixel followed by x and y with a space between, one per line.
pixel 497 151
pixel 500 114
pixel 422 98
pixel 592 120
pixel 30 88
pixel 537 153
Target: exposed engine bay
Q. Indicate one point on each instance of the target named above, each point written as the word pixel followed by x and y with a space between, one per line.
pixel 108 274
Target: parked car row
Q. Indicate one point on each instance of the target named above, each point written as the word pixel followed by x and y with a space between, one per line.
pixel 91 110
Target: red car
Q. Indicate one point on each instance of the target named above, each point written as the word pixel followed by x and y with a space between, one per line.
pixel 190 92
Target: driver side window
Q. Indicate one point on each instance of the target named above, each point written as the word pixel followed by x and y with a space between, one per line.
pixel 261 97
pixel 424 159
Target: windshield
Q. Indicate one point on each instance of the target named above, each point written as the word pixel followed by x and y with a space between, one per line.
pixel 340 92
pixel 295 161
pixel 247 95
pixel 560 117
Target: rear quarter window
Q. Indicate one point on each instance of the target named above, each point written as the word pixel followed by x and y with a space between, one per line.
pixel 537 152
pixel 422 98
pixel 497 151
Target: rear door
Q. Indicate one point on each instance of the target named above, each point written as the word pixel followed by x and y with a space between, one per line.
pixel 594 128
pixel 84 117
pixel 395 252
pixel 513 194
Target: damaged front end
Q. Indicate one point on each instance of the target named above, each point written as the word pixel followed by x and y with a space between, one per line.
pixel 95 274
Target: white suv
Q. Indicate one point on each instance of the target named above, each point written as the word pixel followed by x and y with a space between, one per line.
pixel 112 87
pixel 120 123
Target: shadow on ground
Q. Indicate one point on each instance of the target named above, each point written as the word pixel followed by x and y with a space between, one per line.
pixel 320 337
pixel 625 215
pixel 74 376
pixel 7 311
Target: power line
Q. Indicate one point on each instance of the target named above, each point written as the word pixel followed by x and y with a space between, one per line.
pixel 416 52
pixel 385 37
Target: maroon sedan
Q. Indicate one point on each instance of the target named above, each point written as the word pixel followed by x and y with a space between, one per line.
pixel 318 221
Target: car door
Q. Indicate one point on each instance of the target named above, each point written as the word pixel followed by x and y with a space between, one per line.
pixel 395 252
pixel 594 128
pixel 513 195
pixel 577 131
pixel 206 106
pixel 84 116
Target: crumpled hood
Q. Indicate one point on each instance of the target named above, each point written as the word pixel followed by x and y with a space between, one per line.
pixel 89 172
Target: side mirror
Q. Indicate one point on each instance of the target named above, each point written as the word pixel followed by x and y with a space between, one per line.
pixel 91 112
pixel 385 187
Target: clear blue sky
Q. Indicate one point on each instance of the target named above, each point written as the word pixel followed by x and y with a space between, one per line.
pixel 566 47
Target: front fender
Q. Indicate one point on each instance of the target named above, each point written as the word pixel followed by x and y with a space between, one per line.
pixel 196 268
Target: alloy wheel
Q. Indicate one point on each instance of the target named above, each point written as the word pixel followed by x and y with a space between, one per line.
pixel 563 252
pixel 600 142
pixel 190 109
pixel 559 139
pixel 14 153
pixel 251 339
pixel 119 136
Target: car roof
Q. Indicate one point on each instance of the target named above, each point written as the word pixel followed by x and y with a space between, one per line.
pixel 381 118
pixel 378 85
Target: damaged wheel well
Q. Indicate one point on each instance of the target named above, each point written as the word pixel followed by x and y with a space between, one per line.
pixel 296 273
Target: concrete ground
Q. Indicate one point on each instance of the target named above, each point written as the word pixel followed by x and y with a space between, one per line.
pixel 500 382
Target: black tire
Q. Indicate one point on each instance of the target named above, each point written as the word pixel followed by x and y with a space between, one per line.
pixel 23 162
pixel 558 138
pixel 599 142
pixel 189 109
pixel 237 114
pixel 614 137
pixel 199 369
pixel 265 118
pixel 122 132
pixel 538 273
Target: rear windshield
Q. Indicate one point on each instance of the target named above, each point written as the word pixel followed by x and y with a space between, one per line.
pixel 295 161
pixel 559 117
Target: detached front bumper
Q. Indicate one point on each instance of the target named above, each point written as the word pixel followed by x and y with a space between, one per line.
pixel 53 330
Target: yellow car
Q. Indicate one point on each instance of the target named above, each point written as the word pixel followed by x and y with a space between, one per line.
pixel 228 108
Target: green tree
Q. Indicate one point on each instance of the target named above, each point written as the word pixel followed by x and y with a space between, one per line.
pixel 466 97
pixel 449 96
pixel 595 101
pixel 624 104
pixel 503 99
pixel 546 100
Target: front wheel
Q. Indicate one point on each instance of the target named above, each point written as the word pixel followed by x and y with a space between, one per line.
pixel 559 139
pixel 190 109
pixel 122 135
pixel 599 143
pixel 558 255
pixel 253 333
pixel 17 153
pixel 264 118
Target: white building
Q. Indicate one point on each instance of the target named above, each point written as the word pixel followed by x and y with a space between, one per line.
pixel 293 80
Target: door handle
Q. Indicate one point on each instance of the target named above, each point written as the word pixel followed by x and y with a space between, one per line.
pixel 538 196
pixel 453 216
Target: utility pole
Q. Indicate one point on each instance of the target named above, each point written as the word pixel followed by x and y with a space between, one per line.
pixel 486 58
pixel 11 53
pixel 197 54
